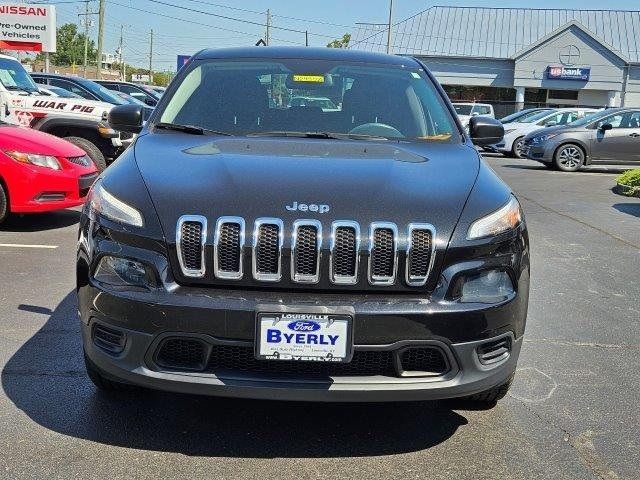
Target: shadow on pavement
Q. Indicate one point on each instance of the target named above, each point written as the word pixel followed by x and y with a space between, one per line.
pixel 539 166
pixel 45 379
pixel 36 222
pixel 628 208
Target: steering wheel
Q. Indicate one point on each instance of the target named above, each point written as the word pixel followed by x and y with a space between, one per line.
pixel 377 130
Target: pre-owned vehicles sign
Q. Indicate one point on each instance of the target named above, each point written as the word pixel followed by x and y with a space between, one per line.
pixel 28 27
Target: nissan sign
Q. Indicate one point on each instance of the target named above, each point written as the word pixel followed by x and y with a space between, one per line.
pixel 568 73
pixel 28 27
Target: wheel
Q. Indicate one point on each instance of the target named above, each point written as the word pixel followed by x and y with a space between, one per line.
pixel 91 150
pixel 488 398
pixel 4 204
pixel 99 380
pixel 569 158
pixel 516 148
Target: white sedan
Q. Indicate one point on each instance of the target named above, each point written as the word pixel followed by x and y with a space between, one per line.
pixel 514 133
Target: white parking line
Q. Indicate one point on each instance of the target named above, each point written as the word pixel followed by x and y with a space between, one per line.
pixel 19 245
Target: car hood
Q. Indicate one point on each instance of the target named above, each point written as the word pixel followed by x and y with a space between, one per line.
pixel 26 140
pixel 260 177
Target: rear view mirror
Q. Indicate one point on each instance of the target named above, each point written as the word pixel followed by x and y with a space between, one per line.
pixel 485 130
pixel 150 101
pixel 605 126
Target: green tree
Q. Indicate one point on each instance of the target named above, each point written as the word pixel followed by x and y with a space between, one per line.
pixel 70 47
pixel 340 42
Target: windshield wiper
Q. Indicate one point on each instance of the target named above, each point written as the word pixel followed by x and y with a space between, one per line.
pixel 193 129
pixel 330 135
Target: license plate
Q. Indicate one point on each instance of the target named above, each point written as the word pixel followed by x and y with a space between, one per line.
pixel 303 337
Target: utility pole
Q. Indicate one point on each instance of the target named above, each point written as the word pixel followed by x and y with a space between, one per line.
pixel 389 27
pixel 121 53
pixel 100 39
pixel 151 59
pixel 87 24
pixel 306 38
pixel 267 39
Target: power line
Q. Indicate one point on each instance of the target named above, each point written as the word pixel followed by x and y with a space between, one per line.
pixel 225 17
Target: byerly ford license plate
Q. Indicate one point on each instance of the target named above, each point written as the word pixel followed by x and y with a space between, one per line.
pixel 303 337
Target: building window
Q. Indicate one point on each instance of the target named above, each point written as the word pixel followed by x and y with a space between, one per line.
pixel 563 94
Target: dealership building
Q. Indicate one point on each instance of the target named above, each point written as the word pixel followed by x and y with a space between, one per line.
pixel 519 57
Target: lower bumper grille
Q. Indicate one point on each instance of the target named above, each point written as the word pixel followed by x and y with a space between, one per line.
pixel 194 354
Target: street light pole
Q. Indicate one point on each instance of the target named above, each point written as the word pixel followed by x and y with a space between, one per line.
pixel 389 26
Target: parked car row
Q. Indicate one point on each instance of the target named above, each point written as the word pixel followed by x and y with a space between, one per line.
pixel 55 137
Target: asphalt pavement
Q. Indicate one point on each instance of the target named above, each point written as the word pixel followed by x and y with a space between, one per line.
pixel 571 414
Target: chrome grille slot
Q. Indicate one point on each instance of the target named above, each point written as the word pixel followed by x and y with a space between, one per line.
pixel 420 253
pixel 344 252
pixel 383 249
pixel 191 235
pixel 306 251
pixel 267 249
pixel 228 247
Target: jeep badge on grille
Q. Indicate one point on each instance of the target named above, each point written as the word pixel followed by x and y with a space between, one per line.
pixel 308 207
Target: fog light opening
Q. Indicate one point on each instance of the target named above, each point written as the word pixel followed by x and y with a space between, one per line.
pixel 118 272
pixel 489 286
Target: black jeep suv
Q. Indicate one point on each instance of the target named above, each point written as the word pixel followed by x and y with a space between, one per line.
pixel 246 247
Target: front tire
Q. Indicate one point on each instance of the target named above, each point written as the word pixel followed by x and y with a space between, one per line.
pixel 489 398
pixel 91 150
pixel 516 148
pixel 100 381
pixel 4 204
pixel 569 158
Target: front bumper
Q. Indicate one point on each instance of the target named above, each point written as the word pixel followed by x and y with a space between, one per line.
pixel 380 323
pixel 538 152
pixel 39 191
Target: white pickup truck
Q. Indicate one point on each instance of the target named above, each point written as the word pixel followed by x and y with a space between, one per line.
pixel 82 122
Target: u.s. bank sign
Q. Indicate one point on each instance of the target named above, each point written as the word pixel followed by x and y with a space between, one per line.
pixel 28 27
pixel 568 73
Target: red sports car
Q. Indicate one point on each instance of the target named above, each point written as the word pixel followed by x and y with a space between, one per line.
pixel 40 172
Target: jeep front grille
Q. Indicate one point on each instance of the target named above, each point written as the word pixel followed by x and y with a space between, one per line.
pixel 267 249
pixel 191 236
pixel 420 253
pixel 263 245
pixel 344 252
pixel 305 251
pixel 228 247
pixel 383 250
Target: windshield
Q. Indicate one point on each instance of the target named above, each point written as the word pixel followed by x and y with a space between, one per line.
pixel 591 117
pixel 523 115
pixel 462 109
pixel 312 96
pixel 101 92
pixel 537 116
pixel 13 76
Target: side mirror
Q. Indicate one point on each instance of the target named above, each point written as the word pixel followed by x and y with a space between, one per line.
pixel 475 114
pixel 551 123
pixel 605 126
pixel 485 130
pixel 126 118
pixel 150 101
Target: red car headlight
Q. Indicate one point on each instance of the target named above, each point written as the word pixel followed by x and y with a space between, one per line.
pixel 46 161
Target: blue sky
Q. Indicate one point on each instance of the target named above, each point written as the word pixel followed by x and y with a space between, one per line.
pixel 324 20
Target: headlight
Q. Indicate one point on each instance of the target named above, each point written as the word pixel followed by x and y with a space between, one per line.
pixel 497 222
pixel 105 204
pixel 46 161
pixel 509 130
pixel 120 272
pixel 543 138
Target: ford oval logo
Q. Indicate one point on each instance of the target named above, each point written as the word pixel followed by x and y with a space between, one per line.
pixel 304 326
